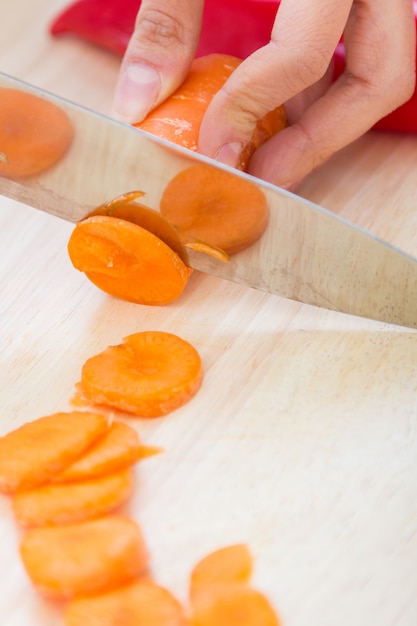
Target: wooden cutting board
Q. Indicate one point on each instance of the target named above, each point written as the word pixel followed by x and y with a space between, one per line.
pixel 303 439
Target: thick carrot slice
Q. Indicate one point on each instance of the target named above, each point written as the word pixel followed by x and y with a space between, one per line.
pixel 233 603
pixel 84 559
pixel 127 261
pixel 35 452
pixel 215 206
pixel 150 374
pixel 54 505
pixel 231 564
pixel 139 603
pixel 118 449
pixel 34 134
pixel 178 118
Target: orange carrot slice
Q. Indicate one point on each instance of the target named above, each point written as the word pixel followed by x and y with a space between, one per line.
pixel 84 559
pixel 126 208
pixel 230 564
pixel 127 261
pixel 150 374
pixel 138 603
pixel 178 118
pixel 118 449
pixel 34 134
pixel 215 206
pixel 233 603
pixel 33 453
pixel 54 505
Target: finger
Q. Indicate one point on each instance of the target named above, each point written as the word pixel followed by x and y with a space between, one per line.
pixel 158 56
pixel 297 105
pixel 380 75
pixel 304 37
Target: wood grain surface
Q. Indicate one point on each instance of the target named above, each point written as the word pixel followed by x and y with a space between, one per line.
pixel 303 439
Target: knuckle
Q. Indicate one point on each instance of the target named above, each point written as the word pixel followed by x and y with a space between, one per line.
pixel 160 28
pixel 307 66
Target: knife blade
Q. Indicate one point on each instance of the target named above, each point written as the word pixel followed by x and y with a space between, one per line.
pixel 306 253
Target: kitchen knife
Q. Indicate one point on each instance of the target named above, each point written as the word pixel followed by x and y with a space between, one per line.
pixel 306 253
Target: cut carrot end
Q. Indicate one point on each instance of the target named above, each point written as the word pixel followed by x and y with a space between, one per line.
pixel 84 559
pixel 149 375
pixel 127 261
pixel 34 134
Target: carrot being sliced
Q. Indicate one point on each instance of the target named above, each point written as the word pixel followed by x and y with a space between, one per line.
pixel 139 603
pixel 150 374
pixel 84 559
pixel 178 118
pixel 127 261
pixel 230 564
pixel 33 453
pixel 118 449
pixel 224 604
pixel 216 207
pixel 54 505
pixel 34 134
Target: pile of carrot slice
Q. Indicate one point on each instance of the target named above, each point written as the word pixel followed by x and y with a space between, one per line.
pixel 70 473
pixel 67 475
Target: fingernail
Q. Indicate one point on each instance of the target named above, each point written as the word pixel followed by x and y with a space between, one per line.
pixel 136 92
pixel 229 153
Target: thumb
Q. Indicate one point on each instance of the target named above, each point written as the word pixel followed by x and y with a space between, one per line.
pixel 158 56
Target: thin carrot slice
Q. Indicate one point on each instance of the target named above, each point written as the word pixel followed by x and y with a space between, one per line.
pixel 54 505
pixel 178 119
pixel 118 449
pixel 139 603
pixel 233 603
pixel 33 453
pixel 150 374
pixel 84 559
pixel 126 208
pixel 34 134
pixel 230 564
pixel 216 207
pixel 127 261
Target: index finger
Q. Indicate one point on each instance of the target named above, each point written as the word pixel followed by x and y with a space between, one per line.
pixel 303 39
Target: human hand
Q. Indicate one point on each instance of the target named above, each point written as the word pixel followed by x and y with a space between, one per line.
pixel 294 68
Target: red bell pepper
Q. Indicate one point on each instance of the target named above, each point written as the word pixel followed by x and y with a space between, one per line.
pixel 236 27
